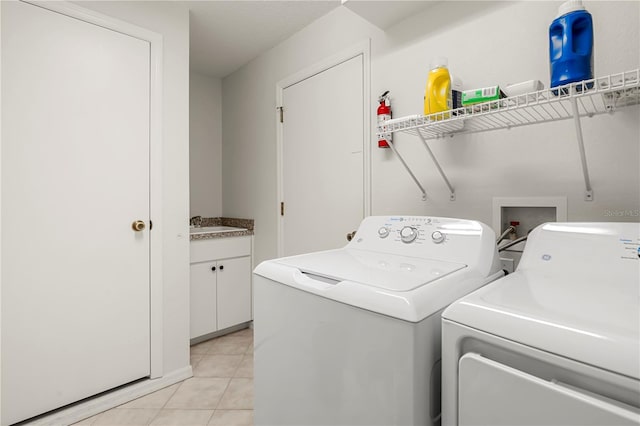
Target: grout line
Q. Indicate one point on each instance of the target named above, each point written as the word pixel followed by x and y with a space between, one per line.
pixel 172 395
pixel 167 401
pixel 223 393
pixel 154 417
pixel 233 376
pixel 211 416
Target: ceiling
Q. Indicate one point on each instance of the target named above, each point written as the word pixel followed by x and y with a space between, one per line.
pixel 226 34
pixel 385 13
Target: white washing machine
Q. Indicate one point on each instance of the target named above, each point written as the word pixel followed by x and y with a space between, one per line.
pixel 555 343
pixel 352 336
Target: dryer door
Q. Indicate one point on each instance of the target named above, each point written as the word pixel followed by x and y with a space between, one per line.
pixel 494 394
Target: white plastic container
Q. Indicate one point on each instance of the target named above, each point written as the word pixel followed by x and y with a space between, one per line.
pixel 523 88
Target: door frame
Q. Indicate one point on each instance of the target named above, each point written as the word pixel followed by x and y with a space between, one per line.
pixel 363 48
pixel 155 160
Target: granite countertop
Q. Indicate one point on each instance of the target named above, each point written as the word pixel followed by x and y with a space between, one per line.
pixel 246 224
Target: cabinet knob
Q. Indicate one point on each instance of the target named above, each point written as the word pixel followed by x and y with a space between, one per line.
pixel 213 268
pixel 221 267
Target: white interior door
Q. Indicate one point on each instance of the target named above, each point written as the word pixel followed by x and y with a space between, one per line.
pixel 323 158
pixel 75 175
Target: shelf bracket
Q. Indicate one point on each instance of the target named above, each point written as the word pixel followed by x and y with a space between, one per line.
pixel 588 194
pixel 452 192
pixel 404 163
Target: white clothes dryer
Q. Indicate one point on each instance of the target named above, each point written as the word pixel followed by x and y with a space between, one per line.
pixel 555 343
pixel 352 336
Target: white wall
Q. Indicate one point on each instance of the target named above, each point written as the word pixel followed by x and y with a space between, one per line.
pixel 539 160
pixel 205 145
pixel 171 20
pixel 486 43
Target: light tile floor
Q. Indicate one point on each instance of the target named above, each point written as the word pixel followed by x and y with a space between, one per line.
pixel 219 393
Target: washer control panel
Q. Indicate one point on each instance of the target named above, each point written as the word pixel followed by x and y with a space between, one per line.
pixel 412 229
pixel 420 235
pixel 448 239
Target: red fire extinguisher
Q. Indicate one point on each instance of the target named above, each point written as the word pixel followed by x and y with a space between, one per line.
pixel 384 113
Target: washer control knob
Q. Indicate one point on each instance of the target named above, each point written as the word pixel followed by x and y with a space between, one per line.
pixel 408 234
pixel 437 237
pixel 383 232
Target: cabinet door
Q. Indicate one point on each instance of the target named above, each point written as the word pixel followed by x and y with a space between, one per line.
pixel 203 298
pixel 234 291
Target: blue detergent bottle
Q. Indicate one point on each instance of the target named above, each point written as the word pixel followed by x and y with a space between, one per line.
pixel 571 45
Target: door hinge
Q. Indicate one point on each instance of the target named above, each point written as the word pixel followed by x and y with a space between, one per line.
pixel 281 112
pixel 282 208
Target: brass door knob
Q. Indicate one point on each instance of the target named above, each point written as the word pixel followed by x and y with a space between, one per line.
pixel 138 226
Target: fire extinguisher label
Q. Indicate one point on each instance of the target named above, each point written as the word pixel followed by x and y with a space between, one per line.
pixel 383 142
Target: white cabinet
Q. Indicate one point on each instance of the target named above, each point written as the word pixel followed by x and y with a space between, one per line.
pixel 220 284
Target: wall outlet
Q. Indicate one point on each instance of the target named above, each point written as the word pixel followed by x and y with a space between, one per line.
pixel 507 264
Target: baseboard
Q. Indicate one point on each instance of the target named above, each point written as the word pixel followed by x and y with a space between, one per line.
pixel 106 401
pixel 228 330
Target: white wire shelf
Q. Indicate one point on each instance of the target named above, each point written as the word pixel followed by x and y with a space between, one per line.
pixel 596 96
pixel 585 99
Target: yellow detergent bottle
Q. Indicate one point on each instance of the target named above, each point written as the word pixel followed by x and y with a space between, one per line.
pixel 438 93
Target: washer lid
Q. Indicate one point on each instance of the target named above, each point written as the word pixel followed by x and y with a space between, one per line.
pixel 588 316
pixel 375 269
